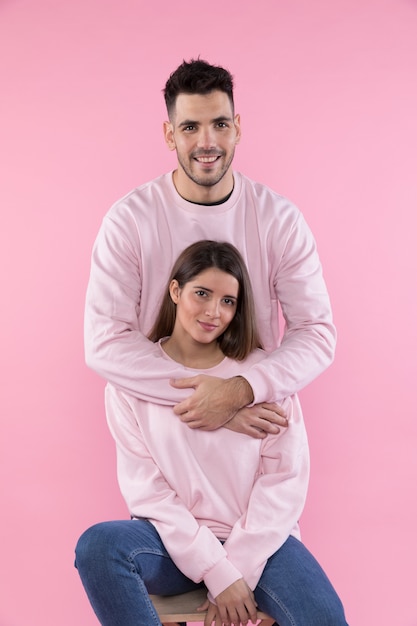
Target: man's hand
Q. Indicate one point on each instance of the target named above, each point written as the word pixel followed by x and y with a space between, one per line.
pixel 259 420
pixel 235 605
pixel 214 401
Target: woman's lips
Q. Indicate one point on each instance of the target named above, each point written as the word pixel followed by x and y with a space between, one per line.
pixel 206 326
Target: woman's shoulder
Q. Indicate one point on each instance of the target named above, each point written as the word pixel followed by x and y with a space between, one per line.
pixel 232 367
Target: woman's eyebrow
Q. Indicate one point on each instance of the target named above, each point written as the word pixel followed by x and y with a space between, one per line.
pixel 211 291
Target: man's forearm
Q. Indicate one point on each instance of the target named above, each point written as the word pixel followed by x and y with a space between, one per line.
pixel 241 393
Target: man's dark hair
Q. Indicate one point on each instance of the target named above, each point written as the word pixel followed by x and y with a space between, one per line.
pixel 197 77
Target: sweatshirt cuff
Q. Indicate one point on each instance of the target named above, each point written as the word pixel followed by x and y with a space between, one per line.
pixel 223 574
pixel 262 390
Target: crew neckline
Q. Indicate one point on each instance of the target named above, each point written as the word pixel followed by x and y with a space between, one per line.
pixel 191 369
pixel 194 207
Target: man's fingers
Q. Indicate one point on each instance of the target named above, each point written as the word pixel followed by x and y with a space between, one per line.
pixel 273 412
pixel 268 421
pixel 187 416
pixel 181 408
pixel 183 383
pixel 256 433
pixel 270 426
pixel 267 427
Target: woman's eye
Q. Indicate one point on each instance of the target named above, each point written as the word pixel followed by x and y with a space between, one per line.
pixel 200 293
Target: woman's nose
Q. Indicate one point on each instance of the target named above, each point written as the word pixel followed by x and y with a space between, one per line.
pixel 213 309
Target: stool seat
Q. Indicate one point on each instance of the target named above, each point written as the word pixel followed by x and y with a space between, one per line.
pixel 183 607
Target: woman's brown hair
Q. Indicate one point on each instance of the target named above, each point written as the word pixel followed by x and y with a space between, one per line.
pixel 241 336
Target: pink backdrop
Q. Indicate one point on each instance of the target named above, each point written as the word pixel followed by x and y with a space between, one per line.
pixel 327 91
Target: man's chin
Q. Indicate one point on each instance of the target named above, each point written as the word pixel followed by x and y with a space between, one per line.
pixel 207 179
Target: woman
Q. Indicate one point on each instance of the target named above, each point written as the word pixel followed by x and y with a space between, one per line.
pixel 212 507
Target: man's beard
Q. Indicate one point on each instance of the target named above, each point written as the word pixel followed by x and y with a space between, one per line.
pixel 210 179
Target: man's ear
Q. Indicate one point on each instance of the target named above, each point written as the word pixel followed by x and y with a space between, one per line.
pixel 169 135
pixel 174 291
pixel 237 127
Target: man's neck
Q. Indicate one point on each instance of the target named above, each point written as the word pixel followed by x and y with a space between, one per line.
pixel 200 194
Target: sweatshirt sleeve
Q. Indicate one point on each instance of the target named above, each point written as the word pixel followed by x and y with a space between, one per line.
pixel 276 501
pixel 115 347
pixel 308 343
pixel 194 549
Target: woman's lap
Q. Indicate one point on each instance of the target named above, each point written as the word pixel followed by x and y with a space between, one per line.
pixel 295 590
pixel 125 558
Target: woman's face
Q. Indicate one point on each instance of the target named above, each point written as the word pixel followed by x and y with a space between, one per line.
pixel 205 305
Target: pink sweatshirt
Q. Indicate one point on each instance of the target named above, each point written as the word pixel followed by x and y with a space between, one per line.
pixel 197 486
pixel 139 240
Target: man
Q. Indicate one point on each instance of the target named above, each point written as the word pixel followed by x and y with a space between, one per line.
pixel 139 240
pixel 203 198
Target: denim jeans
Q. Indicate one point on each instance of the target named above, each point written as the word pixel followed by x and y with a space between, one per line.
pixel 121 562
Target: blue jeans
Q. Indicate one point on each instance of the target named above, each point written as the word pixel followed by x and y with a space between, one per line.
pixel 121 562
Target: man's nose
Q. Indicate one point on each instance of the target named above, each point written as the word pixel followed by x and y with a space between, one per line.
pixel 206 138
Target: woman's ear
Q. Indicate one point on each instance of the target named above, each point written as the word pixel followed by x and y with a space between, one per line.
pixel 174 290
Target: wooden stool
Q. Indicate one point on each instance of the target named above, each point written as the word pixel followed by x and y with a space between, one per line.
pixel 183 608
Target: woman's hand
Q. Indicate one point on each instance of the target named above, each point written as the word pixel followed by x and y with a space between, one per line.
pixel 212 614
pixel 235 605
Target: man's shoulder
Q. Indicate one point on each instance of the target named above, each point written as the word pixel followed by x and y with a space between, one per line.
pixel 147 195
pixel 265 198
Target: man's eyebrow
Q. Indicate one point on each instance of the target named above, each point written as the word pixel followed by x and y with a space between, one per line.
pixel 216 120
pixel 222 118
pixel 188 123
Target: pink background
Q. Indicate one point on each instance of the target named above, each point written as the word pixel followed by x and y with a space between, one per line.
pixel 327 91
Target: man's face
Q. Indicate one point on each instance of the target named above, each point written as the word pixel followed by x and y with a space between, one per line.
pixel 204 133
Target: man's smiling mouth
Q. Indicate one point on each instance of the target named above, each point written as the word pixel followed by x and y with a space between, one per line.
pixel 207 159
